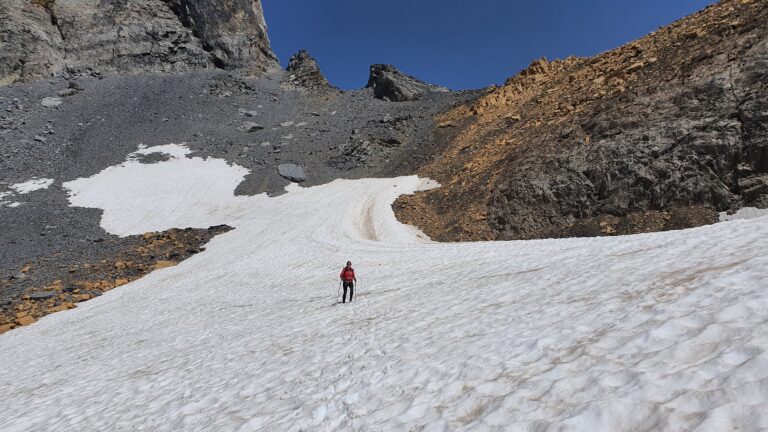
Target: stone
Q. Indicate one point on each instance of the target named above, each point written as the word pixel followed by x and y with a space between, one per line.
pixel 164 264
pixel 67 92
pixel 25 320
pixel 81 297
pixel 292 172
pixel 635 67
pixel 58 308
pixel 251 127
pixel 49 102
pixel 121 282
pixel 43 295
pixel 6 327
pixel 247 113
pixel 388 83
pixel 40 139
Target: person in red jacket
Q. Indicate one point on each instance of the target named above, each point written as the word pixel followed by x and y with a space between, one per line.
pixel 348 278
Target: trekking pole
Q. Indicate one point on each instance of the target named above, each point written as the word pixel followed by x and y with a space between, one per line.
pixel 338 291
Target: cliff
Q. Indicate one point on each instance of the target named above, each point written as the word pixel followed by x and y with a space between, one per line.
pixel 43 38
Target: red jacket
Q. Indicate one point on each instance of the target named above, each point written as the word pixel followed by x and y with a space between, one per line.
pixel 347 274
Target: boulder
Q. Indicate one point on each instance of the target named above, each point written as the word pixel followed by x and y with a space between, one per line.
pixel 292 172
pixel 251 127
pixel 49 102
pixel 43 295
pixel 25 320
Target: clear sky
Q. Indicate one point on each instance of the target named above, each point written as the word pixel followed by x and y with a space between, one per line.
pixel 460 44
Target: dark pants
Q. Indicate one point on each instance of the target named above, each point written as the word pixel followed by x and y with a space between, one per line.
pixel 351 286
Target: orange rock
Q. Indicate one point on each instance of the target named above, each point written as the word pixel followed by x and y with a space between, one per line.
pixel 121 281
pixel 163 264
pixel 635 67
pixel 25 320
pixel 81 297
pixel 5 327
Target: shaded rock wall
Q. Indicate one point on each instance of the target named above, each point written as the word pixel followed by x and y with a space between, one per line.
pixel 675 121
pixel 40 38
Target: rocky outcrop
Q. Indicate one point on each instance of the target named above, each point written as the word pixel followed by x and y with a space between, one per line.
pixel 658 134
pixel 390 84
pixel 305 72
pixel 40 38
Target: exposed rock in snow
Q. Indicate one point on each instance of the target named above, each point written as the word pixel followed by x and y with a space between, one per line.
pixel 292 172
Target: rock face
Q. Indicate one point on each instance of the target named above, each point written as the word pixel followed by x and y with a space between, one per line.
pixel 305 72
pixel 390 84
pixel 40 38
pixel 657 134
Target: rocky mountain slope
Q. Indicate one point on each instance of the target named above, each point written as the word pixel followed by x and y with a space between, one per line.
pixel 658 134
pixel 42 38
pixel 283 126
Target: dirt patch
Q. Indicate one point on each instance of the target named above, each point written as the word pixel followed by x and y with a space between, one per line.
pixel 47 290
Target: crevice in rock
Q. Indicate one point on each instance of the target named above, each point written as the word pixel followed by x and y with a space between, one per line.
pixel 48 6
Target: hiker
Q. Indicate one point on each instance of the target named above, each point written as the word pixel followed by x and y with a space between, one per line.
pixel 348 278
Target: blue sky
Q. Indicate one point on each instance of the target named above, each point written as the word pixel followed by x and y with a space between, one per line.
pixel 461 44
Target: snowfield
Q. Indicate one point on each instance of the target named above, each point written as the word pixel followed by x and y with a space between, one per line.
pixel 654 332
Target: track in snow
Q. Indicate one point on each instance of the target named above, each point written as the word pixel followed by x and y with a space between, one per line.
pixel 662 331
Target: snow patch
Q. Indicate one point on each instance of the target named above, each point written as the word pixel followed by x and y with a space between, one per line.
pixel 743 213
pixel 29 186
pixel 178 193
pixel 175 151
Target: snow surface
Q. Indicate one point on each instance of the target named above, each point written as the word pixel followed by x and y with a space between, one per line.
pixel 23 189
pixel 664 331
pixel 744 213
pixel 32 185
